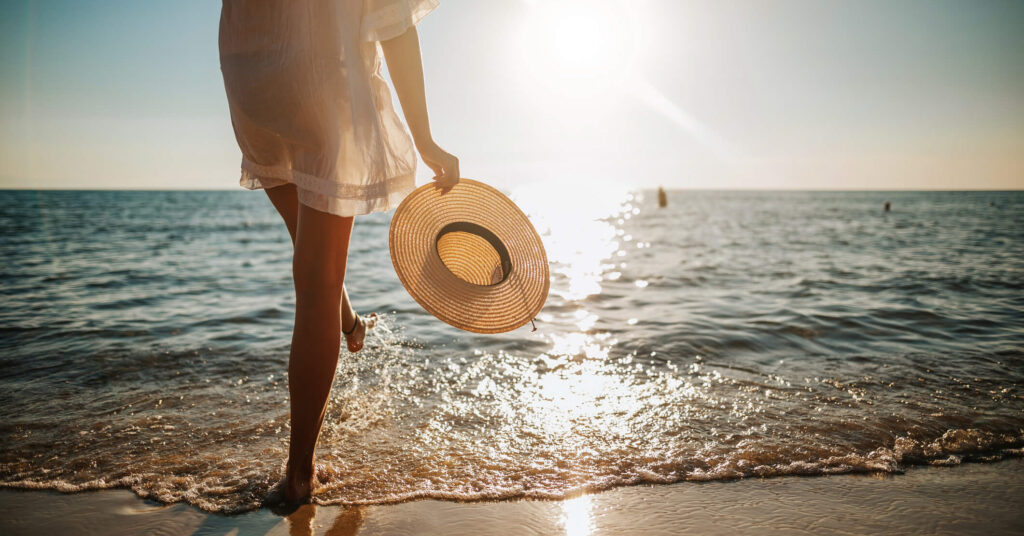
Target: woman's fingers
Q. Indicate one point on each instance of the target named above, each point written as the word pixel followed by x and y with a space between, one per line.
pixel 436 168
pixel 451 171
pixel 444 165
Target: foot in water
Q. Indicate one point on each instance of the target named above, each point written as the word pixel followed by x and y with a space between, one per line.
pixel 290 492
pixel 298 490
pixel 356 335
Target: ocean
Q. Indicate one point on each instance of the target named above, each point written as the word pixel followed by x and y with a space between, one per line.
pixel 729 335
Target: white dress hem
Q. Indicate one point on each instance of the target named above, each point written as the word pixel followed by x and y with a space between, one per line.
pixel 329 196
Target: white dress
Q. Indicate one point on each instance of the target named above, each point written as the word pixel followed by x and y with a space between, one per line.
pixel 309 104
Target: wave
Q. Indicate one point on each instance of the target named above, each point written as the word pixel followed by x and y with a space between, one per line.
pixel 233 494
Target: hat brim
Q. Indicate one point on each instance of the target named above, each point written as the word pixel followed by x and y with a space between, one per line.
pixel 506 305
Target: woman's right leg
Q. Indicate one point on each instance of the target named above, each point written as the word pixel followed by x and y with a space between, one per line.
pixel 285 199
pixel 318 269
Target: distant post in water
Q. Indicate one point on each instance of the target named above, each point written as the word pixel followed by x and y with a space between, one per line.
pixel 887 206
pixel 662 198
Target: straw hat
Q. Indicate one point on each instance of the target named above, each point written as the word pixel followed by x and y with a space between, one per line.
pixel 470 257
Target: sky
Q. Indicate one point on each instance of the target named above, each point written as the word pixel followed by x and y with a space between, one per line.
pixel 791 94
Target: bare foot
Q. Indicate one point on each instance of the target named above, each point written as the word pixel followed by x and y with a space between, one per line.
pixel 298 488
pixel 357 335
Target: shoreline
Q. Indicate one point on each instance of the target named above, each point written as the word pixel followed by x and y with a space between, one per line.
pixel 971 498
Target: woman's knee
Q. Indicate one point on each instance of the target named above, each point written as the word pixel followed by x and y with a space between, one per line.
pixel 317 275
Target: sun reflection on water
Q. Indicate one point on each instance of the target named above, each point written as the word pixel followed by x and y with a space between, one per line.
pixel 576 516
pixel 576 346
pixel 576 222
pixel 580 225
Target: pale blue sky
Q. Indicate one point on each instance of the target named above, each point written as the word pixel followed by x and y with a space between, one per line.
pixel 752 94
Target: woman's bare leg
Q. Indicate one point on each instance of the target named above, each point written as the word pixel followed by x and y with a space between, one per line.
pixel 286 200
pixel 318 268
pixel 320 243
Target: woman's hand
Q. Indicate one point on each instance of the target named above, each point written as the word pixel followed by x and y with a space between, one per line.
pixel 444 164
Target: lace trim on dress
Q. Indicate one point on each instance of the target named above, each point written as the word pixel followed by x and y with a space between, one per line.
pixel 381 23
pixel 328 196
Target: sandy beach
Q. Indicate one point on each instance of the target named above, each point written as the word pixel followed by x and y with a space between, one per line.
pixel 965 499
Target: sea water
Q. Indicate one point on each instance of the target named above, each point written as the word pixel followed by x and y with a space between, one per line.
pixel 145 341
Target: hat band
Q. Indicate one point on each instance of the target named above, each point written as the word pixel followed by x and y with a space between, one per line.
pixel 468 227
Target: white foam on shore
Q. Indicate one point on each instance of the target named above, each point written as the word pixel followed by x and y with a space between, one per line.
pixel 952 448
pixel 973 498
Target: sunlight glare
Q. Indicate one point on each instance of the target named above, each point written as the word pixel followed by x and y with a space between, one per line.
pixel 580 46
pixel 576 514
pixel 574 219
pixel 700 132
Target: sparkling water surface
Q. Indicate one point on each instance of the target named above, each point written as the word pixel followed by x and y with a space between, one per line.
pixel 732 334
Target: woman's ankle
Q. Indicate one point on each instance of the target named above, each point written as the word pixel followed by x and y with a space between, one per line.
pixel 298 484
pixel 301 470
pixel 349 319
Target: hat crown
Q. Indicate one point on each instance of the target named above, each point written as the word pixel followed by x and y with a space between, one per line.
pixel 473 253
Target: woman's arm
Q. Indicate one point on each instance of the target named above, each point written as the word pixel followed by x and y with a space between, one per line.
pixel 403 56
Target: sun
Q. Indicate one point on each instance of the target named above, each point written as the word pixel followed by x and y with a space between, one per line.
pixel 580 45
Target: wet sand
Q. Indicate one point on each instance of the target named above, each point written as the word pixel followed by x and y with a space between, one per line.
pixel 967 499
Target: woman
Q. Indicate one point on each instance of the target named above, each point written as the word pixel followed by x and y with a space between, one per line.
pixel 313 117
